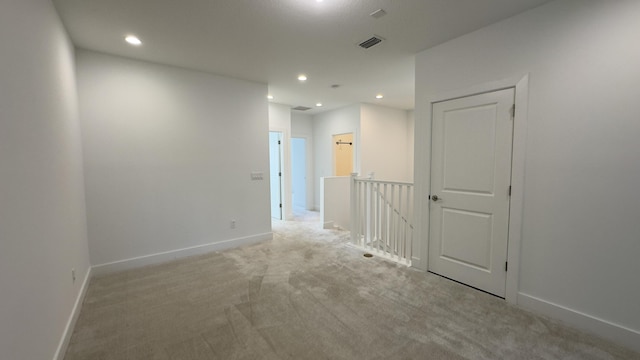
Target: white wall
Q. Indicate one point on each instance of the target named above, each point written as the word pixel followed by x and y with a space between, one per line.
pixel 168 159
pixel 280 120
pixel 42 208
pixel 299 172
pixel 325 125
pixel 335 200
pixel 580 239
pixel 411 122
pixel 302 127
pixel 384 149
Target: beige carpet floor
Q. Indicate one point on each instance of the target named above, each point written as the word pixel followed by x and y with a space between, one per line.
pixel 306 295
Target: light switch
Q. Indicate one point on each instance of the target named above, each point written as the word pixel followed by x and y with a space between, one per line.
pixel 257 175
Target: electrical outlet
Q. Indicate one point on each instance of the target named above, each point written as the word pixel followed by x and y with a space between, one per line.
pixel 73 274
pixel 232 224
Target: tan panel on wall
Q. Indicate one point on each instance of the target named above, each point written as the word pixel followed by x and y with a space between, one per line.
pixel 342 154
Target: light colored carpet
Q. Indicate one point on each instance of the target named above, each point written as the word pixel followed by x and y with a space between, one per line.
pixel 306 295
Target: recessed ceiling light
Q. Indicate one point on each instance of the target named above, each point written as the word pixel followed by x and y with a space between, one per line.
pixel 133 40
pixel 270 97
pixel 302 77
pixel 379 96
pixel 318 104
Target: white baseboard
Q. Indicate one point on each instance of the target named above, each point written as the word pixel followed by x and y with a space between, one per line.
pixel 157 258
pixel 327 225
pixel 71 323
pixel 622 335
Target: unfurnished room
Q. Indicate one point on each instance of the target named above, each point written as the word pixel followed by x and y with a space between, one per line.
pixel 319 179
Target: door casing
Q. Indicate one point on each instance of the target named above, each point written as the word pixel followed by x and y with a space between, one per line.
pixel 470 177
pixel 276 172
pixel 423 180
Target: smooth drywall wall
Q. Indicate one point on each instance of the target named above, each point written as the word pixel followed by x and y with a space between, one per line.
pixel 384 150
pixel 410 140
pixel 581 229
pixel 299 172
pixel 302 127
pixel 335 209
pixel 280 121
pixel 42 208
pixel 169 155
pixel 325 125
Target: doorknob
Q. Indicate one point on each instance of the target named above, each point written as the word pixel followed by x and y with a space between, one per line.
pixel 434 197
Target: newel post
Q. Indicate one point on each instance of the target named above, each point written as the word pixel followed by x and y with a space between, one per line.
pixel 354 209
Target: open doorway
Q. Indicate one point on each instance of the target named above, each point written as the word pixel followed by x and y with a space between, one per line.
pixel 275 169
pixel 343 154
pixel 298 173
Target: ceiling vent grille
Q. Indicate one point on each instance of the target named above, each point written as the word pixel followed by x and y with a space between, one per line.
pixel 370 42
pixel 301 108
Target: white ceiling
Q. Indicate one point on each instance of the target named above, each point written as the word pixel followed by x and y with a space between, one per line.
pixel 272 41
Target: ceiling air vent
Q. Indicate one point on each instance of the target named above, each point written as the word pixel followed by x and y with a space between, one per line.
pixel 301 108
pixel 371 42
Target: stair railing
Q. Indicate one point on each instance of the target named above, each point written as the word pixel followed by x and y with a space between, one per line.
pixel 382 217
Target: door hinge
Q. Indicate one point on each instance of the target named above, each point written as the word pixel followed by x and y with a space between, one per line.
pixel 506 265
pixel 280 206
pixel 279 174
pixel 513 111
pixel 509 190
pixel 279 142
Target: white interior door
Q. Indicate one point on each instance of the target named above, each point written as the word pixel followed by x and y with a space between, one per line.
pixel 275 170
pixel 470 189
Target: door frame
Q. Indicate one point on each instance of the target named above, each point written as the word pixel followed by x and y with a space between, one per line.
pixel 285 160
pixel 423 183
pixel 280 170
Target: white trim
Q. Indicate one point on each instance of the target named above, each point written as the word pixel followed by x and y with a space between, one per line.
pixel 285 169
pixel 615 332
pixel 161 257
pixel 518 156
pixel 477 89
pixel 285 160
pixel 521 85
pixel 328 225
pixel 73 318
pixel 308 171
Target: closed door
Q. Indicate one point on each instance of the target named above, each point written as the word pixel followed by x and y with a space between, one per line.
pixel 470 189
pixel 275 169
